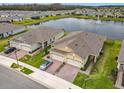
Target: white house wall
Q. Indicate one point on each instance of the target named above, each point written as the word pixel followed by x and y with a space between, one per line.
pixel 35 46
pixel 57 57
pixel 59 35
pixel 21 46
pixel 74 63
pixel 7 34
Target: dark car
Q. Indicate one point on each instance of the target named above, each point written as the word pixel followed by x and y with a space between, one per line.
pixel 9 50
pixel 46 65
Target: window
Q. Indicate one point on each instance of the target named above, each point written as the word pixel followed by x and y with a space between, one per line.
pixel 50 40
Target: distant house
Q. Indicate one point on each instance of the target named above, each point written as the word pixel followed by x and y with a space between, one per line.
pixel 7 29
pixel 4 20
pixel 37 38
pixel 16 18
pixel 76 48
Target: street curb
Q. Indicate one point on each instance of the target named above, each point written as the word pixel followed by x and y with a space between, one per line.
pixel 28 76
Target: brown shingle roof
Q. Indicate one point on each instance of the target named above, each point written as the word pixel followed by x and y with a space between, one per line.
pixel 82 43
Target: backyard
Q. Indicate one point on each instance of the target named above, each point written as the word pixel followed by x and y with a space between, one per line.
pixel 104 72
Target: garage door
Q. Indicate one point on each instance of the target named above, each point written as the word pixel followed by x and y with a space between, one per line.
pixel 13 44
pixel 74 63
pixel 56 57
pixel 26 48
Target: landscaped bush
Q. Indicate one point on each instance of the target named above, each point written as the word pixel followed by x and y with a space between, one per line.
pixel 26 71
pixel 114 74
pixel 14 65
pixel 22 69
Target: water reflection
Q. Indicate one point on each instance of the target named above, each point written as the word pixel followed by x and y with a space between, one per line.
pixel 111 29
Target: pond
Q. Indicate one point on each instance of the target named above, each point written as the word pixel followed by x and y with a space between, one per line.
pixel 111 29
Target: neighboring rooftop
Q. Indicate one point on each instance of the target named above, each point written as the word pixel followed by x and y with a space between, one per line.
pixel 82 43
pixel 7 27
pixel 37 35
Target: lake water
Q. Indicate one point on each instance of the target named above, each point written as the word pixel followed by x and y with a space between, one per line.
pixel 111 29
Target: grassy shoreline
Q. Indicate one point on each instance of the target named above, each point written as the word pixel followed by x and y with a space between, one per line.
pixel 102 74
pixel 36 21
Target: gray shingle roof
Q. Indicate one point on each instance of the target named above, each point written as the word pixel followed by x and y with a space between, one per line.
pixel 82 43
pixel 37 35
pixel 7 27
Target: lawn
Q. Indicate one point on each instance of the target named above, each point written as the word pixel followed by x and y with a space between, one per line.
pixel 4 42
pixel 22 69
pixel 102 75
pixel 35 60
pixel 26 71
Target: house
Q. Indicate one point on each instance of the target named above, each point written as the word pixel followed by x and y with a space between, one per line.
pixel 7 29
pixel 16 18
pixel 37 38
pixel 4 20
pixel 77 47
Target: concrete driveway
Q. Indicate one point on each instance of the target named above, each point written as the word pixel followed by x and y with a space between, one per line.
pixel 68 72
pixel 19 53
pixel 52 69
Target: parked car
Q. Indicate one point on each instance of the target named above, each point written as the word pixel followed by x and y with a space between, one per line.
pixel 46 65
pixel 9 50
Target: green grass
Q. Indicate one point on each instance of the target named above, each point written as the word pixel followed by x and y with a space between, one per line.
pixel 4 43
pixel 14 65
pixel 36 21
pixel 23 69
pixel 102 73
pixel 111 19
pixel 26 71
pixel 35 60
pixel 95 18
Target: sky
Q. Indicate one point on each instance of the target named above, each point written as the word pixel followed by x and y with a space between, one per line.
pixel 62 1
pixel 70 2
pixel 94 4
pixel 84 4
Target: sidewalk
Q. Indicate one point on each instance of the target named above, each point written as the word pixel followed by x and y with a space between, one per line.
pixel 42 77
pixel 119 80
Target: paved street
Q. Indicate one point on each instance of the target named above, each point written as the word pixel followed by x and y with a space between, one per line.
pixel 13 80
pixel 42 77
